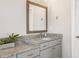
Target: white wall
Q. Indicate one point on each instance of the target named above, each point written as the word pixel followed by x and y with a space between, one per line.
pixel 75 43
pixel 12 17
pixel 73 28
pixel 62 25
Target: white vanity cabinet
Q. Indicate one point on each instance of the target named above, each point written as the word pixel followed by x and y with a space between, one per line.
pixel 52 52
pixel 47 48
pixel 56 51
pixel 51 49
pixel 29 54
pixel 45 53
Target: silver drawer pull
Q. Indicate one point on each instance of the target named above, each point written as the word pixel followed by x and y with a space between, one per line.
pixel 45 46
pixel 11 55
pixel 30 54
pixel 53 48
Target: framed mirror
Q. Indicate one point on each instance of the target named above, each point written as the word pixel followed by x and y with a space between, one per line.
pixel 36 17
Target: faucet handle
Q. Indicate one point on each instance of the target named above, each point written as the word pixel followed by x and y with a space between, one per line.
pixel 45 34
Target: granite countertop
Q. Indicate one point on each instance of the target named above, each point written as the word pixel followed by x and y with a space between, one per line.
pixel 35 39
pixel 41 40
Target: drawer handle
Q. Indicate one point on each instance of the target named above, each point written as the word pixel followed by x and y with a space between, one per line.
pixel 30 54
pixel 45 46
pixel 11 55
pixel 53 48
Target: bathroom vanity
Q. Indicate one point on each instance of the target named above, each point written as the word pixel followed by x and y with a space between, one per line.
pixel 46 47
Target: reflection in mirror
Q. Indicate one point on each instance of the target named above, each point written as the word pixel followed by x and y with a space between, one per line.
pixel 37 22
pixel 37 18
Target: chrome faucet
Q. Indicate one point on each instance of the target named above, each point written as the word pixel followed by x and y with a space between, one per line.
pixel 42 35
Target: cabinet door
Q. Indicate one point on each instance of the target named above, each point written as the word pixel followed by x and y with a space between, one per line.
pixel 46 53
pixel 56 51
pixel 53 52
pixel 28 54
pixel 60 51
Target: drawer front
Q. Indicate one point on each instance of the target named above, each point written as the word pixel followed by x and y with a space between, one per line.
pixel 55 42
pixel 36 52
pixel 44 45
pixel 29 54
pixel 59 41
pixel 37 56
pixel 52 43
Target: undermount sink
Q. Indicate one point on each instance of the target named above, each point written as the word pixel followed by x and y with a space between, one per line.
pixel 45 38
pixel 38 40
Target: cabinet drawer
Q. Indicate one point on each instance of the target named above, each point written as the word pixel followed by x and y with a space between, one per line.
pixel 36 52
pixel 55 42
pixel 52 43
pixel 59 40
pixel 44 45
pixel 37 56
pixel 29 54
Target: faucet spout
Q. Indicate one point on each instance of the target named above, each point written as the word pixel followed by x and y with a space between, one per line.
pixel 41 36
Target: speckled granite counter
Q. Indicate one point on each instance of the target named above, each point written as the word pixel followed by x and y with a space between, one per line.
pixel 35 39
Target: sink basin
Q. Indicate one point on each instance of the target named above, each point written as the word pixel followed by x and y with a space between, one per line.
pixel 36 41
pixel 32 41
pixel 46 39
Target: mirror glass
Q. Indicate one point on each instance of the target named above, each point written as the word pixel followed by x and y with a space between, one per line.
pixel 37 18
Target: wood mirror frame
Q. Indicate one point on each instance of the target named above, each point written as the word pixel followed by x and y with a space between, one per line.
pixel 39 5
